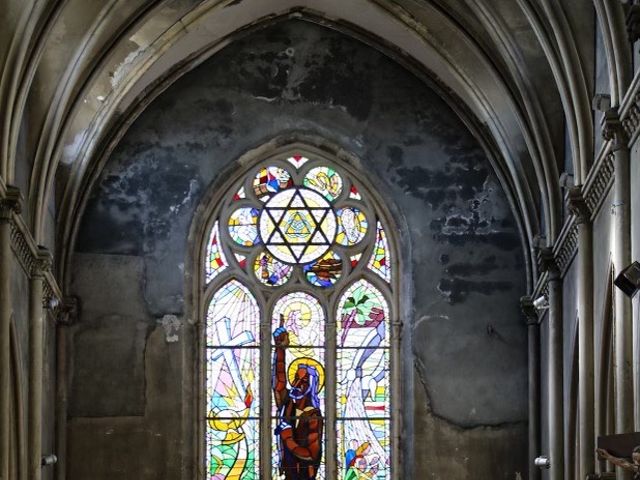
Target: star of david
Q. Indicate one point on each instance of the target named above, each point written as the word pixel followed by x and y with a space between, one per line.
pixel 296 220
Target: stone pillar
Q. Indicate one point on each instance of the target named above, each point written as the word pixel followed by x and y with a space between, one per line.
pixel 555 367
pixel 9 205
pixel 36 360
pixel 67 316
pixel 533 334
pixel 586 385
pixel 614 132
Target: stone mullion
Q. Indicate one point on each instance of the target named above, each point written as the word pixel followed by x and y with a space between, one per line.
pixel 266 423
pixel 331 397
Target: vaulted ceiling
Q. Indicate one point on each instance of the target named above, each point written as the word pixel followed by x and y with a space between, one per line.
pixel 520 72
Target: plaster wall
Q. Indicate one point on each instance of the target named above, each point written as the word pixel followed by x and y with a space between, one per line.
pixel 132 391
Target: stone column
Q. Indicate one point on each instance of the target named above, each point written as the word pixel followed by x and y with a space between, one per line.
pixel 67 316
pixel 36 360
pixel 555 367
pixel 9 205
pixel 533 334
pixel 586 386
pixel 621 223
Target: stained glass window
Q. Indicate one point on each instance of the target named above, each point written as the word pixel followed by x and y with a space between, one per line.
pixel 380 262
pixel 216 262
pixel 232 385
pixel 363 395
pixel 307 270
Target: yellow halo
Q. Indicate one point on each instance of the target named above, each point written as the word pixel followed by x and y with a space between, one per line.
pixel 311 362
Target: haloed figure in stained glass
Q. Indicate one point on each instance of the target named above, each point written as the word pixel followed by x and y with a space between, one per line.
pixel 299 433
pixel 295 245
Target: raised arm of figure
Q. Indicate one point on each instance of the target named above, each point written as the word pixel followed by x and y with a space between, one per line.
pixel 279 380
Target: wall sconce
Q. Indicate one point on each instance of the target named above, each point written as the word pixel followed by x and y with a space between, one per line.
pixel 629 279
pixel 48 460
pixel 542 462
pixel 541 303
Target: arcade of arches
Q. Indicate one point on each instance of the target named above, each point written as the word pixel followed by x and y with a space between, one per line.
pixel 332 239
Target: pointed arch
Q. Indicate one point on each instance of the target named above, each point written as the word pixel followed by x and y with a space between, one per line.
pixel 286 240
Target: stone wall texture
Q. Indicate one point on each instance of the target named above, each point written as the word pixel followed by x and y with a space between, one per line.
pixel 132 391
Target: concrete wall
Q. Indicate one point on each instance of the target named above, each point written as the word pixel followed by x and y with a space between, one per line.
pixel 131 390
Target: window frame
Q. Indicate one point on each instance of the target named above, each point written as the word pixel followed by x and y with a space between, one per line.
pixel 216 207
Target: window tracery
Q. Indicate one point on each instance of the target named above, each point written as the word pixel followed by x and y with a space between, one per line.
pixel 298 327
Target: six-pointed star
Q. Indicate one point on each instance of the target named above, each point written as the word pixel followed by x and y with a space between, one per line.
pixel 297 224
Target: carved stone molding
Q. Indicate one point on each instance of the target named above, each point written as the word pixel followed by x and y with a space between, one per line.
pixel 68 311
pixel 577 205
pixel 547 261
pixel 530 313
pixel 22 249
pixel 633 23
pixel 631 119
pixel 598 184
pixel 10 203
pixel 612 129
pixel 566 249
pixel 34 259
pixel 43 262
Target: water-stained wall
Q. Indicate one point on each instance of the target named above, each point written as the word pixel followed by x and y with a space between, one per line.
pixel 130 391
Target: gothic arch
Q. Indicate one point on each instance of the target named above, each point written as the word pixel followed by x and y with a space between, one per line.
pixel 202 292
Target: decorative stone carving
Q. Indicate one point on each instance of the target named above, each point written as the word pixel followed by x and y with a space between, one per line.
pixel 633 23
pixel 577 204
pixel 631 119
pixel 599 185
pixel 567 248
pixel 68 311
pixel 10 203
pixel 612 129
pixel 34 259
pixel 546 260
pixel 530 313
pixel 42 262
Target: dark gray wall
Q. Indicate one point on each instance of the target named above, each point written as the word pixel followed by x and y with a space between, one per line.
pixel 130 381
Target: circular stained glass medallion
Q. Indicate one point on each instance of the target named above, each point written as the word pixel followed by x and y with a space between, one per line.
pixel 297 225
pixel 243 226
pixel 270 271
pixel 324 272
pixel 352 226
pixel 324 180
pixel 271 180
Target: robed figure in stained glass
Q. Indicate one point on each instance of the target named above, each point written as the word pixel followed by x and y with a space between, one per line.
pixel 299 432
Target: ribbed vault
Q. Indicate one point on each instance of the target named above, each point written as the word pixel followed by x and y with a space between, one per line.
pixel 519 72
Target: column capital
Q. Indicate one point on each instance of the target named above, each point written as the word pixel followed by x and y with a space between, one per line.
pixel 68 311
pixel 578 205
pixel 530 313
pixel 10 203
pixel 612 129
pixel 42 263
pixel 547 262
pixel 633 23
